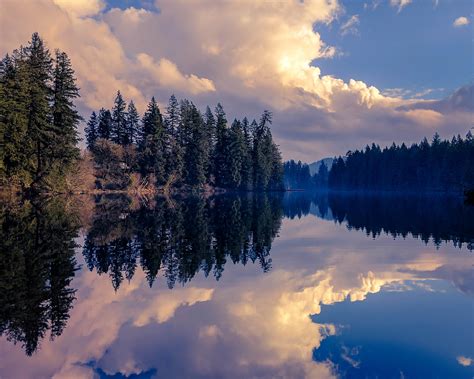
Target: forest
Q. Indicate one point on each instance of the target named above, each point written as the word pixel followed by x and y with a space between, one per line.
pixel 439 166
pixel 183 148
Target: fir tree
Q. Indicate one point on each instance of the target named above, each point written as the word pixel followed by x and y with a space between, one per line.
pixel 151 148
pixel 65 116
pixel 119 133
pixel 91 131
pixel 105 124
pixel 219 158
pixel 132 122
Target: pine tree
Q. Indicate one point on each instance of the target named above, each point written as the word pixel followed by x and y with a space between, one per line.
pixel 119 133
pixel 219 158
pixel 235 155
pixel 195 146
pixel 16 151
pixel 262 152
pixel 91 131
pixel 247 166
pixel 105 124
pixel 151 148
pixel 174 153
pixel 65 116
pixel 210 125
pixel 132 123
pixel 40 128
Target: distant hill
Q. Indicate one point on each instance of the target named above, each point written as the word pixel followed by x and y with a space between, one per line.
pixel 314 167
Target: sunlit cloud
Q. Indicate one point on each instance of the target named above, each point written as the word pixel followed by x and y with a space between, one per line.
pixel 400 4
pixel 461 21
pixel 464 361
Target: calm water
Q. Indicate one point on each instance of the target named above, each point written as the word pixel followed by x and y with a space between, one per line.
pixel 294 286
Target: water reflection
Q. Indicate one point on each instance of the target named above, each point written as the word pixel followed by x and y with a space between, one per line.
pixel 256 317
pixel 36 268
pixel 181 237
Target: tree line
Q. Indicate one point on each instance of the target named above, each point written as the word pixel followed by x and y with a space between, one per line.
pixel 38 118
pixel 441 165
pixel 297 175
pixel 182 147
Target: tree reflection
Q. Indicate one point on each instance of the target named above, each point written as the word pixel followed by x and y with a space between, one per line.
pixel 37 265
pixel 180 237
pixel 429 218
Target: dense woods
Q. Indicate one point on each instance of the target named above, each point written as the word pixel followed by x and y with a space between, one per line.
pixel 38 123
pixel 182 148
pixel 441 165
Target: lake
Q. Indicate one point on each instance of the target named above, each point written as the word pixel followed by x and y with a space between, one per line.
pixel 294 285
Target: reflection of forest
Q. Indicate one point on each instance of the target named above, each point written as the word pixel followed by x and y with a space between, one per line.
pixel 430 218
pixel 37 265
pixel 177 238
pixel 181 237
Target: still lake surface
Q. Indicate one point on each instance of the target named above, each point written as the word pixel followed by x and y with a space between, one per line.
pixel 283 286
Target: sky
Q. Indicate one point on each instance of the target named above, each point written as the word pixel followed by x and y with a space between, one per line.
pixel 336 74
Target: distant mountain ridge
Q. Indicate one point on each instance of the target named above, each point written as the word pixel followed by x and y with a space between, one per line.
pixel 314 167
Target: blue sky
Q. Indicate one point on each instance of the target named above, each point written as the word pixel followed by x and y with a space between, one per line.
pixel 417 48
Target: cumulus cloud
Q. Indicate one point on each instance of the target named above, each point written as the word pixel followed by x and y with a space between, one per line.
pixel 81 8
pixel 461 21
pixel 167 74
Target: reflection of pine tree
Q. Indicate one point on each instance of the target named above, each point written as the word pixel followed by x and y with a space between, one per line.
pixel 182 237
pixel 36 269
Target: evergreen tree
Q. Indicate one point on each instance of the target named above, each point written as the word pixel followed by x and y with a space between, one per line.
pixel 105 124
pixel 91 131
pixel 173 147
pixel 196 157
pixel 132 122
pixel 16 151
pixel 151 148
pixel 40 128
pixel 247 166
pixel 219 158
pixel 65 116
pixel 119 133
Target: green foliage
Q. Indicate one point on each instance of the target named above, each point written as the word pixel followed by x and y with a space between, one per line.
pixel 38 127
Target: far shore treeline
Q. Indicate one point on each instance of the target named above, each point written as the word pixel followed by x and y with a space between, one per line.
pixel 439 166
pixel 181 148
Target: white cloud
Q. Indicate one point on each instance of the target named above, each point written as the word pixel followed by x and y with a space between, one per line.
pixel 461 21
pixel 400 4
pixel 464 361
pixel 167 74
pixel 81 8
pixel 350 26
